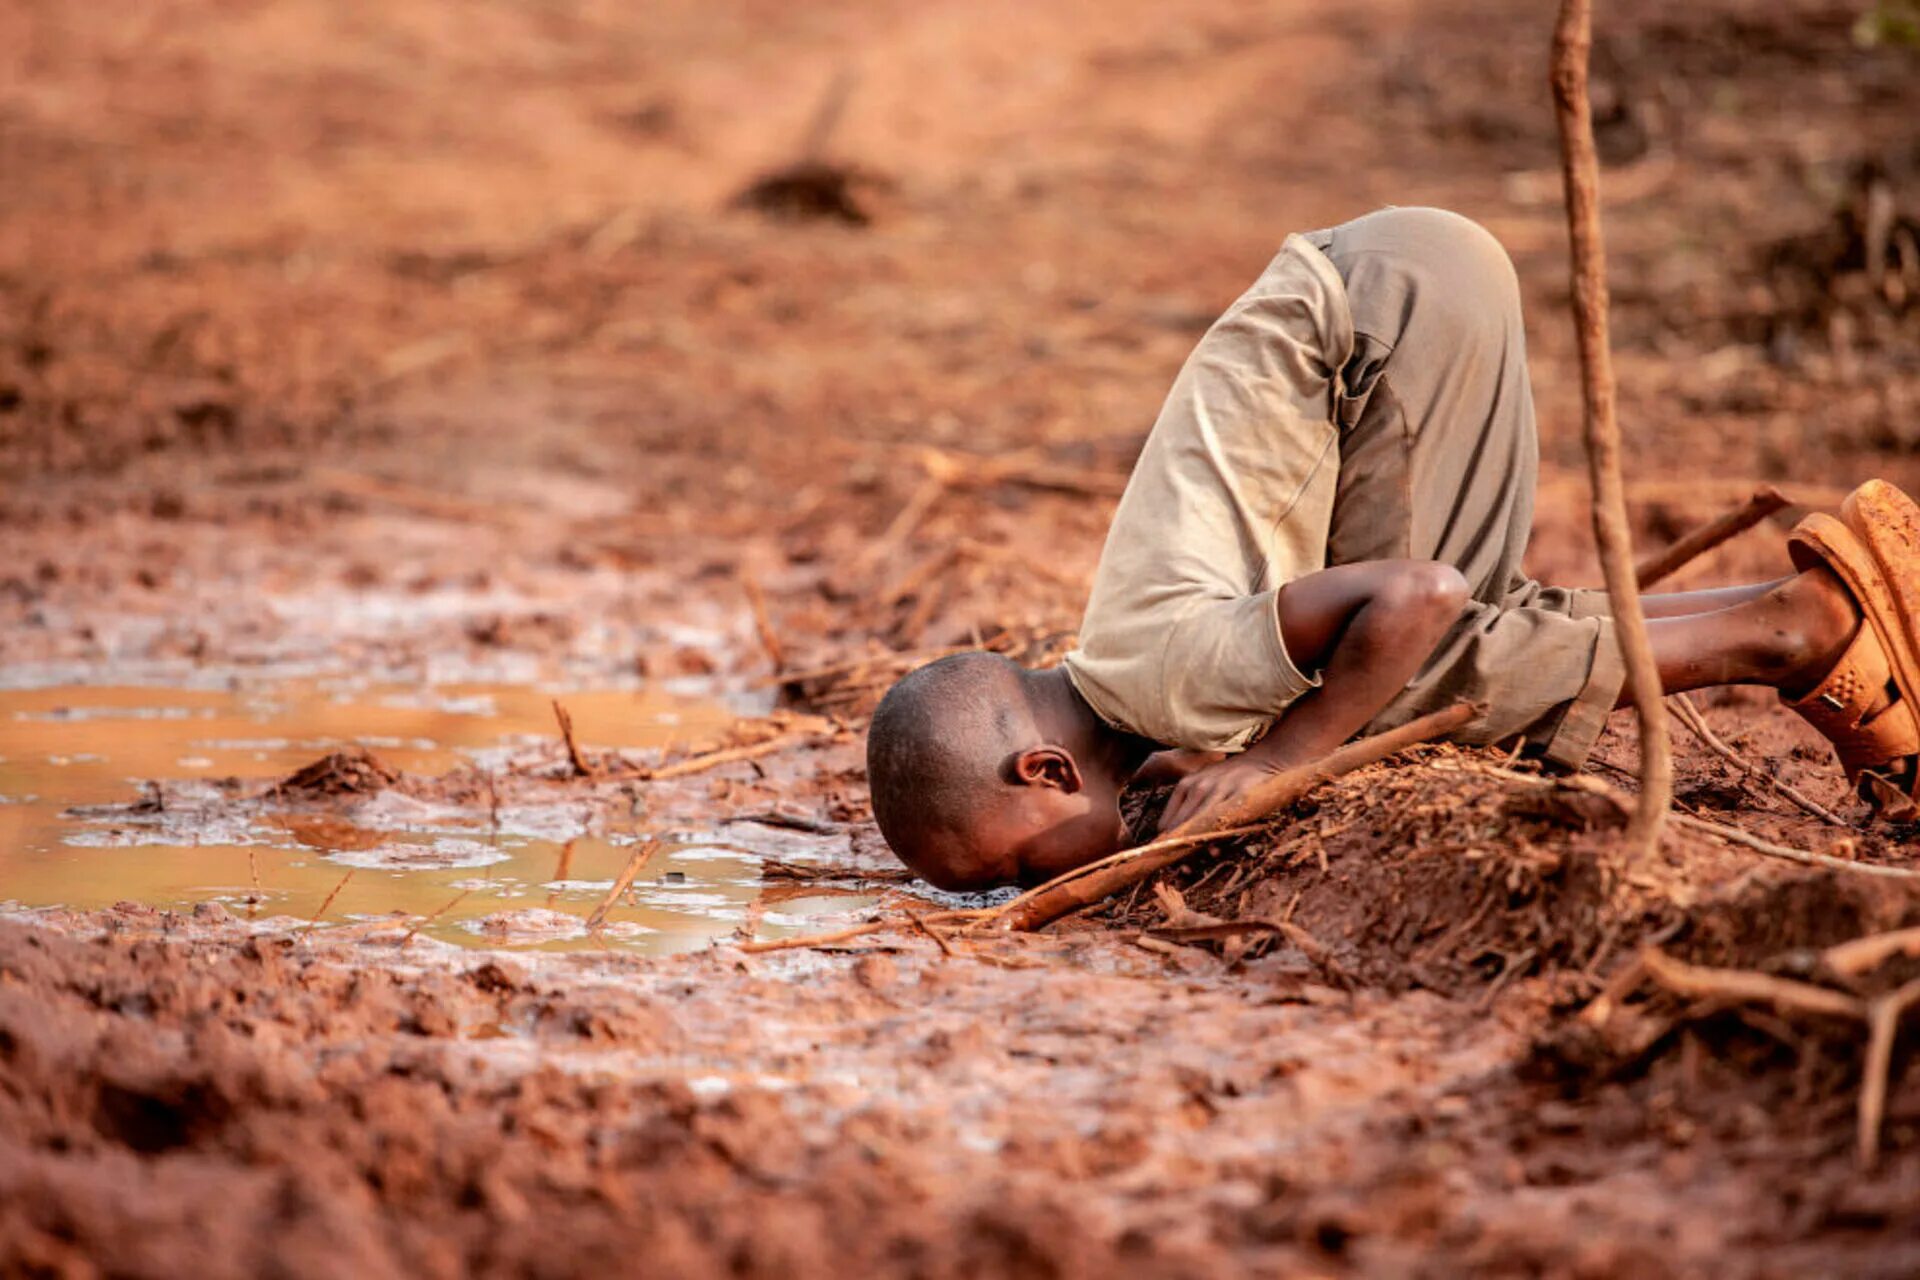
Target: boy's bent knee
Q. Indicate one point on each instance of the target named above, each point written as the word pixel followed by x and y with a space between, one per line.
pixel 1422 597
pixel 1428 586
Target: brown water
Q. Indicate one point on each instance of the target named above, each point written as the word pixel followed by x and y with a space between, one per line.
pixel 529 883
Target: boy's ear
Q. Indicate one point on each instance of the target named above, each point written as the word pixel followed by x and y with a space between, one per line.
pixel 1047 766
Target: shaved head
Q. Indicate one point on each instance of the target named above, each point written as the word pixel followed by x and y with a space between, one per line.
pixel 936 751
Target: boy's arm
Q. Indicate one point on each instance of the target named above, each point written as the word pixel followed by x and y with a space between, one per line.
pixel 1368 628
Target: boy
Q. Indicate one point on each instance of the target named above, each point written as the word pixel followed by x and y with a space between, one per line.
pixel 1323 535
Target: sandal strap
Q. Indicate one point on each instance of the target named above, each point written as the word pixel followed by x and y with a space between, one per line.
pixel 1842 707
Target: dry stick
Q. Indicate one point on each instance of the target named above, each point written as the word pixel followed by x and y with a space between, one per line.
pixel 424 921
pixel 1114 860
pixel 563 869
pixel 1618 988
pixel 1689 715
pixel 641 856
pixel 1860 955
pixel 1789 853
pixel 327 902
pixel 1026 563
pixel 763 622
pixel 1749 987
pixel 857 666
pixel 580 765
pixel 1882 1018
pixel 913 579
pixel 826 116
pixel 1883 1025
pixel 920 923
pixel 1580 167
pixel 1088 885
pixel 730 755
pixel 1766 500
pixel 820 939
pixel 846 935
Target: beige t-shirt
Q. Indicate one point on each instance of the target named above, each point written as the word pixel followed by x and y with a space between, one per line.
pixel 1231 499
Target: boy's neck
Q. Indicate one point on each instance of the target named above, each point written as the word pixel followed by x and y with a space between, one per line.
pixel 1064 716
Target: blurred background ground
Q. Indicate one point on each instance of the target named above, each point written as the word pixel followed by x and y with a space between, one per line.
pixel 496 253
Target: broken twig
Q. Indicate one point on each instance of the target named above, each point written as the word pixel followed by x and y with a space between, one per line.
pixel 1766 500
pixel 580 766
pixel 628 874
pixel 1790 854
pixel 856 931
pixel 1863 955
pixel 424 921
pixel 763 622
pixel 901 528
pixel 1121 858
pixel 1028 467
pixel 327 902
pixel 1748 986
pixel 728 755
pixel 920 923
pixel 1689 715
pixel 1883 1027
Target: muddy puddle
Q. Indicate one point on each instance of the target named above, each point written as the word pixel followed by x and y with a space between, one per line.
pixel 76 762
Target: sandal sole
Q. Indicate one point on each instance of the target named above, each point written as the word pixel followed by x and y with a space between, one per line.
pixel 1822 539
pixel 1887 522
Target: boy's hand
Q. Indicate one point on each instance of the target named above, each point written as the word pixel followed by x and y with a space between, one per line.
pixel 1214 785
pixel 1367 628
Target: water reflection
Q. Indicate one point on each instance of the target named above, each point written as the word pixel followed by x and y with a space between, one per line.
pixel 531 880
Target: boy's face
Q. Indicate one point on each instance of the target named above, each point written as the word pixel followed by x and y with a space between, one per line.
pixel 1041 831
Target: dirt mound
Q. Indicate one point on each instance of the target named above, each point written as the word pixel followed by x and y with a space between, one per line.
pixel 1456 871
pixel 1769 995
pixel 353 772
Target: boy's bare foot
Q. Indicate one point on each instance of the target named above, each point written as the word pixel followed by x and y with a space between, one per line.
pixel 1821 621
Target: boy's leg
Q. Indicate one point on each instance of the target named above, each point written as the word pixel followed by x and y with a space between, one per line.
pixel 1438 461
pixel 1785 634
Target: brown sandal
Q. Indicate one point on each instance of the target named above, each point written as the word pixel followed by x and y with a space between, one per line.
pixel 1866 705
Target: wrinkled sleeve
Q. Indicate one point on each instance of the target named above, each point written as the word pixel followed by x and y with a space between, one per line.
pixel 1227 672
pixel 1230 500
